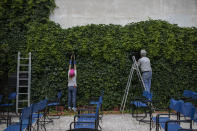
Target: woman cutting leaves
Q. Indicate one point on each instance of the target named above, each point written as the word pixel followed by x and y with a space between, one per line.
pixel 72 84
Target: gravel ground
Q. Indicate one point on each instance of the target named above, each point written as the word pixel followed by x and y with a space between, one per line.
pixel 110 122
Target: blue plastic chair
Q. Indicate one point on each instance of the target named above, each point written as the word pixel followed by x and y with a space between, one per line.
pixel 95 102
pixel 7 105
pixel 187 110
pixel 100 100
pixel 181 108
pixel 29 116
pixel 176 104
pixel 2 116
pixel 57 102
pixel 39 112
pixel 91 109
pixel 191 95
pixel 194 96
pixel 193 118
pixel 144 104
pixel 24 123
pixel 89 117
pixel 87 121
pixel 160 119
pixel 53 104
pixel 187 93
pixel 1 96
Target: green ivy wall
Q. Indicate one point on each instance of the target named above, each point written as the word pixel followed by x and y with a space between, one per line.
pixel 102 54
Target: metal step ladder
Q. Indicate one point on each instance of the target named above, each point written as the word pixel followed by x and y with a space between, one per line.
pixel 23 87
pixel 134 67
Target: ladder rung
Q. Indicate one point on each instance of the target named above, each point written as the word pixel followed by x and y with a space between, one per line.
pixel 23 78
pixel 19 108
pixel 23 86
pixel 23 64
pixel 23 101
pixel 23 93
pixel 24 58
pixel 23 72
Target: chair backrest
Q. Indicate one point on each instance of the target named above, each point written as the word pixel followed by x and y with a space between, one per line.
pixel 101 99
pixel 187 109
pixel 190 94
pixel 194 115
pixel 59 95
pixel 26 113
pixel 1 96
pixel 25 116
pixel 97 110
pixel 176 105
pixel 40 105
pixel 187 93
pixel 148 95
pixel 194 95
pixel 12 96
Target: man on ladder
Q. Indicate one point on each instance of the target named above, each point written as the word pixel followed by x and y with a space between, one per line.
pixel 145 66
pixel 145 79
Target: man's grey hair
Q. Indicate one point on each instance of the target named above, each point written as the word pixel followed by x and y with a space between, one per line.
pixel 143 52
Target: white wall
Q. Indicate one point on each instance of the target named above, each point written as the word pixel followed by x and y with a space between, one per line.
pixel 71 13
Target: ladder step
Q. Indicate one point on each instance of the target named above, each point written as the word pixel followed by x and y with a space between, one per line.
pixel 23 78
pixel 22 93
pixel 19 108
pixel 24 58
pixel 24 65
pixel 23 72
pixel 23 86
pixel 23 101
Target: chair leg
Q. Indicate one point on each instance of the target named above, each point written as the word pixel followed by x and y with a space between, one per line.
pixel 150 119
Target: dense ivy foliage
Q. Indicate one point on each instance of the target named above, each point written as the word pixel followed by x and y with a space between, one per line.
pixel 102 56
pixel 15 17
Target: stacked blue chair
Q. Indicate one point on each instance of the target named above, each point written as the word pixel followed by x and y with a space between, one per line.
pixel 144 104
pixel 194 96
pixel 187 110
pixel 89 109
pixel 24 121
pixel 7 105
pixel 39 112
pixel 100 101
pixel 30 116
pixel 2 117
pixel 88 118
pixel 193 118
pixel 55 103
pixel 141 102
pixel 187 93
pixel 95 102
pixel 181 108
pixel 175 105
pixel 190 94
pixel 1 96
pixel 86 121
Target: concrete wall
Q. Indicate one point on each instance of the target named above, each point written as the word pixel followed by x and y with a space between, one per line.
pixel 71 13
